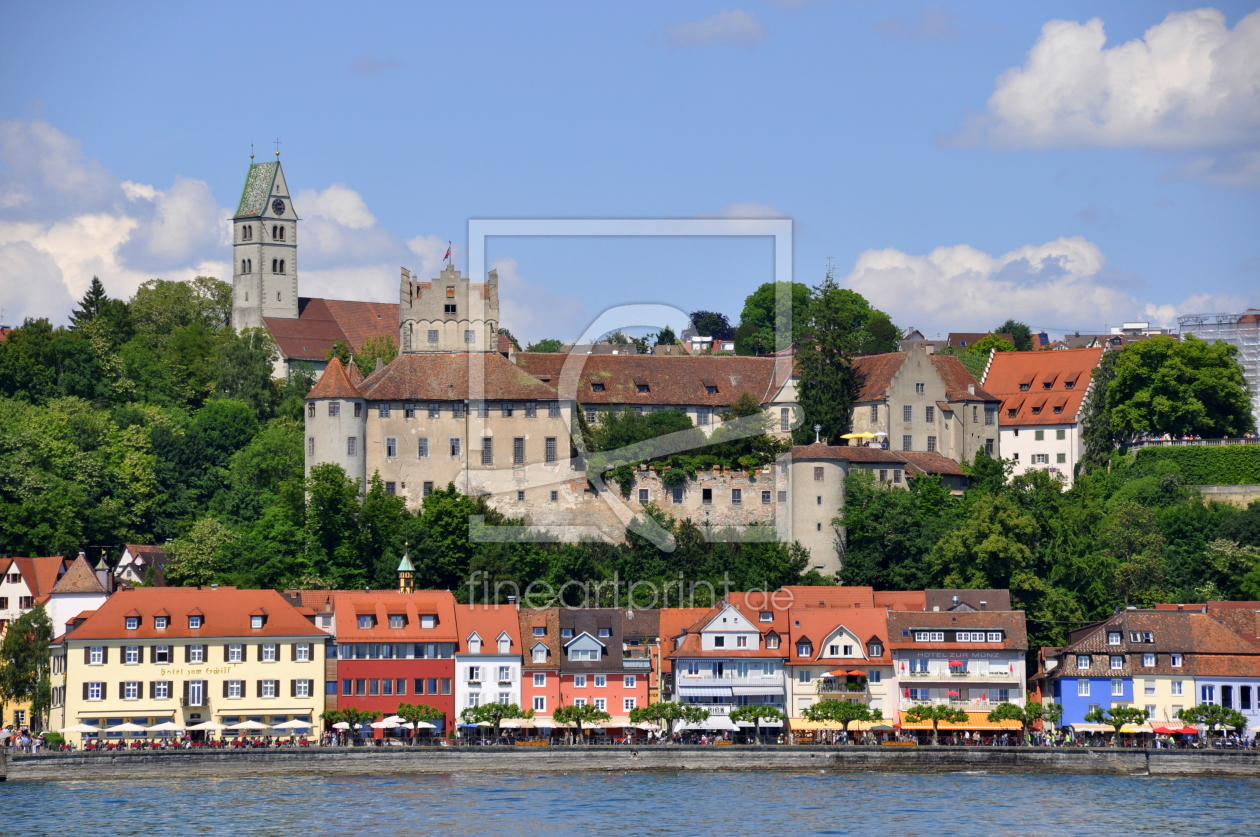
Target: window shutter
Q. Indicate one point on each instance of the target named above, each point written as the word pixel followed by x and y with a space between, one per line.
pixel 292 688
pixel 185 692
pixel 225 688
pixel 104 691
pixel 105 655
pixel 258 684
pixel 226 652
pixel 85 691
pixel 87 659
pixel 187 653
pixel 293 653
pixel 152 690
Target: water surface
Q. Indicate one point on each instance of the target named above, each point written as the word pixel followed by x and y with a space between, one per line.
pixel 627 804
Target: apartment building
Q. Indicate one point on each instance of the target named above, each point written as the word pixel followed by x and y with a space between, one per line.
pixel 838 650
pixel 488 656
pixel 189 655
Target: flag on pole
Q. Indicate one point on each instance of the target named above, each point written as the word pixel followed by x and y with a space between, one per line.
pixel 448 251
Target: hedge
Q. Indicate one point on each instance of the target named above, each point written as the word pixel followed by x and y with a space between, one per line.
pixel 1215 465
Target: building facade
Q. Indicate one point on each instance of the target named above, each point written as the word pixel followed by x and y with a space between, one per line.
pixel 188 655
pixel 488 657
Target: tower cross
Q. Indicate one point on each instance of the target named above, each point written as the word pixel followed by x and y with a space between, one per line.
pixel 277 147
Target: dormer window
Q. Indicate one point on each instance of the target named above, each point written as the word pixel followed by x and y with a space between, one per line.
pixel 1024 387
pixel 804 649
pixel 875 650
pixel 566 633
pixel 605 632
pixel 540 654
pixel 540 630
pixel 772 642
pixel 1047 385
pixel 160 622
pixel 1011 413
pixel 766 616
pixel 428 621
pixel 1036 411
pixel 133 622
pixel 397 621
pixel 194 623
pixel 597 387
pixel 711 389
pixel 1113 637
pixel 256 621
pixel 505 645
pixel 365 622
pixel 474 644
pixel 1069 384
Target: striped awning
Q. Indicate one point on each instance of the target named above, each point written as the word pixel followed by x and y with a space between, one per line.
pixel 704 691
pixel 975 721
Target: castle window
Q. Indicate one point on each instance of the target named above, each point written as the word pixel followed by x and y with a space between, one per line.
pixel 518 450
pixel 506 408
pixel 277 292
pixel 531 409
pixel 391 447
pixel 550 450
pixel 433 335
pixel 450 292
pixel 487 450
pixel 435 410
pixel 310 410
pixel 470 336
pixel 422 447
pixel 249 265
pixel 352 446
pixel 243 270
pixel 409 411
pixel 457 410
pixel 275 263
pixel 282 233
pixel 310 445
pixel 358 409
pixel 383 411
pixel 334 409
pixel 448 308
pixel 282 265
pixel 553 409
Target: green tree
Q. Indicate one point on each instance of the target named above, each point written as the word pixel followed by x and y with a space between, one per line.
pixel 1011 712
pixel 417 714
pixel 245 366
pixel 758 322
pixel 1019 331
pixel 1097 434
pixel 110 318
pixel 547 345
pixel 936 713
pixel 1116 717
pixel 990 343
pixel 1187 387
pixel 711 324
pixel 835 322
pixel 579 715
pixel 756 713
pixel 1213 717
pixel 161 306
pixel 340 350
pixel 380 347
pixel 988 548
pixel 668 714
pixel 494 714
pixel 24 663
pixel 197 558
pixel 882 335
pixel 1131 538
pixel 666 337
pixel 843 712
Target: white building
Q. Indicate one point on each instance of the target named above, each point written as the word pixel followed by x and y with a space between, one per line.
pixel 1042 394
pixel 488 659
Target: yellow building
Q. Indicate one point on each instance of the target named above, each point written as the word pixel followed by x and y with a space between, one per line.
pixel 188 655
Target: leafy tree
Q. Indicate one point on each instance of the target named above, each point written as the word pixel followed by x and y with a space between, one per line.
pixel 882 335
pixel 1021 333
pixel 843 712
pixel 1130 537
pixel 380 347
pixel 161 306
pixel 1011 712
pixel 889 533
pixel 1117 717
pixel 1189 387
pixel 245 365
pixel 668 714
pixel 756 334
pixel 547 344
pixel 418 714
pixel 494 714
pixel 835 322
pixel 197 558
pixel 356 718
pixel 1213 717
pixel 578 715
pixel 340 350
pixel 24 672
pixel 711 324
pixel 989 547
pixel 990 343
pixel 666 337
pixel 1097 434
pixel 936 713
pixel 755 713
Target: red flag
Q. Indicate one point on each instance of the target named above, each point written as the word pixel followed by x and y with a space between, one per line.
pixel 448 251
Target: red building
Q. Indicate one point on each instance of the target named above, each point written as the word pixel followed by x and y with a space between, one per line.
pixel 395 647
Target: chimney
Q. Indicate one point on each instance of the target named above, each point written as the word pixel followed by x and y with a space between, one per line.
pixel 971 389
pixel 214 587
pixel 984 605
pixel 513 603
pixel 380 363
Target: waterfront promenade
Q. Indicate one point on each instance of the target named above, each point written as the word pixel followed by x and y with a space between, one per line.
pixel 404 760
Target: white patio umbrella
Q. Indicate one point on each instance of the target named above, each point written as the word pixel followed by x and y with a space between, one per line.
pixel 167 726
pixel 205 726
pixel 423 725
pixel 80 728
pixel 342 725
pixel 385 725
pixel 128 727
pixel 394 718
pixel 248 725
pixel 294 724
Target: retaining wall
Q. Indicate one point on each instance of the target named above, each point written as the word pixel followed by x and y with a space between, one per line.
pixel 374 761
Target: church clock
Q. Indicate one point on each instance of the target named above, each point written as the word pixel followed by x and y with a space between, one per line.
pixel 277 206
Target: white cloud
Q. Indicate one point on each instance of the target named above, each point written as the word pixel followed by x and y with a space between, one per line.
pixel 432 253
pixel 1062 283
pixel 1189 82
pixel 533 312
pixel 1240 169
pixel 337 203
pixel 728 27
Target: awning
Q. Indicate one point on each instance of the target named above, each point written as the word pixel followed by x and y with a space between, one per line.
pixel 975 720
pixel 717 722
pixel 1144 728
pixel 1175 730
pixel 806 725
pixel 706 691
pixel 757 690
pixel 1093 728
pixel 765 723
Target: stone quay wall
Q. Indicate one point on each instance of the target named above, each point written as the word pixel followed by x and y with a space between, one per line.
pixel 406 760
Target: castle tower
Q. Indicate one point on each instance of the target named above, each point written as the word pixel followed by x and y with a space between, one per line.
pixel 448 314
pixel 264 249
pixel 406 575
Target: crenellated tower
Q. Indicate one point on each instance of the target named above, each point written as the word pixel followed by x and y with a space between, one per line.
pixel 448 314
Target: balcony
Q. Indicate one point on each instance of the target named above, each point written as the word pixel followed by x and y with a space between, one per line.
pixel 636 664
pixel 835 687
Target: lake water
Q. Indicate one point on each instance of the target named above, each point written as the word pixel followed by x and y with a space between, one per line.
pixel 629 804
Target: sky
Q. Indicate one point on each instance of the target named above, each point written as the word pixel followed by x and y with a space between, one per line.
pixel 1072 165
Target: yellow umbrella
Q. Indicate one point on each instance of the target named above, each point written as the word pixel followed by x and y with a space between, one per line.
pixel 858 436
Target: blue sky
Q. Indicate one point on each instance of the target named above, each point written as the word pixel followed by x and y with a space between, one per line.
pixel 1069 164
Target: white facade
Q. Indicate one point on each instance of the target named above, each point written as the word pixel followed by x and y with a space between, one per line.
pixel 974 681
pixel 487 673
pixel 15 595
pixel 264 249
pixel 1050 447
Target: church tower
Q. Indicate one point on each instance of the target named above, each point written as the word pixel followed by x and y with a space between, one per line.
pixel 264 249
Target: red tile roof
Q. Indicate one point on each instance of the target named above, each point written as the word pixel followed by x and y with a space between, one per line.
pixel 79 579
pixel 40 572
pixel 489 621
pixel 670 380
pixel 384 603
pixel 912 461
pixel 226 613
pixel 445 377
pixel 876 373
pixel 321 322
pixel 1011 370
pixel 334 383
pixel 818 623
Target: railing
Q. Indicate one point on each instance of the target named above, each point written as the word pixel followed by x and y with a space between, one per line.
pixel 1175 443
pixel 985 676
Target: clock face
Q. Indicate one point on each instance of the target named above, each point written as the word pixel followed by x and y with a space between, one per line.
pixel 277 206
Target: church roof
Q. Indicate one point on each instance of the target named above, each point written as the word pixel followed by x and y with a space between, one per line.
pixel 258 183
pixel 322 322
pixel 443 377
pixel 334 383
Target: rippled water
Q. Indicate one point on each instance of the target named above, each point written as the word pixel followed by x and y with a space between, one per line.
pixel 763 804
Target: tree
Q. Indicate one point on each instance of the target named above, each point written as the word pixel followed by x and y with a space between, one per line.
pixel 757 333
pixel 547 344
pixel 883 336
pixel 1010 712
pixel 380 347
pixel 110 318
pixel 1189 387
pixel 990 343
pixel 24 663
pixel 989 547
pixel 160 306
pixel 1116 717
pixel 666 337
pixel 494 714
pixel 756 713
pixel 667 714
pixel 936 713
pixel 835 323
pixel 356 718
pixel 579 714
pixel 1212 716
pixel 196 558
pixel 711 324
pixel 1130 536
pixel 417 714
pixel 843 712
pixel 245 366
pixel 1019 331
pixel 1097 435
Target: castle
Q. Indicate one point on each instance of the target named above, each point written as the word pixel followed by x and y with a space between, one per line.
pixel 459 405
